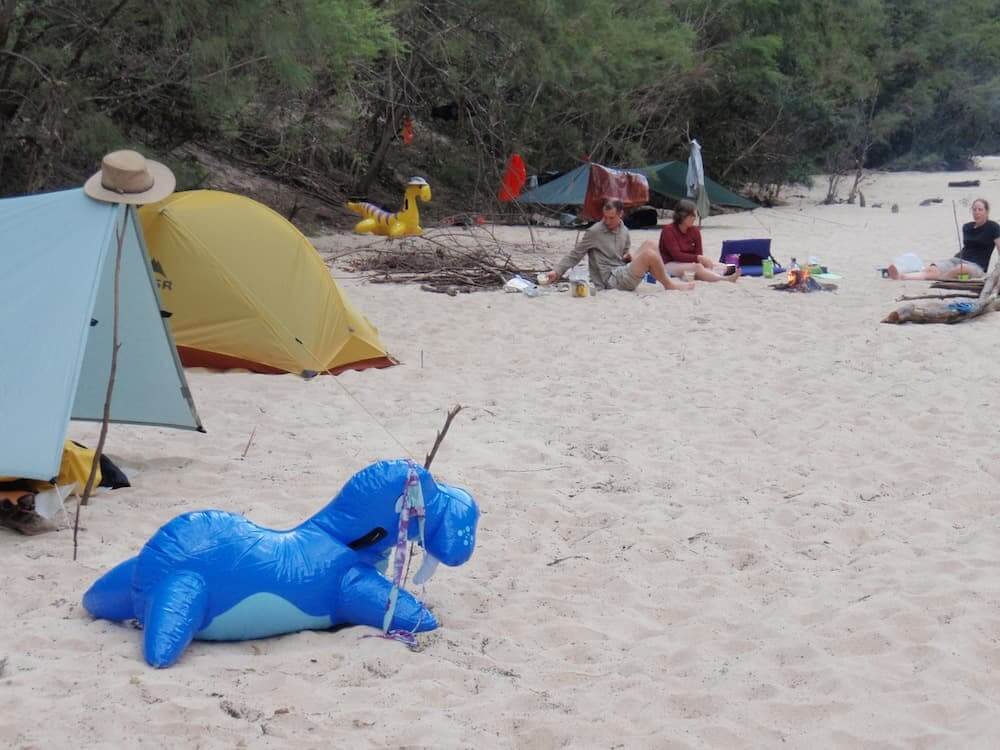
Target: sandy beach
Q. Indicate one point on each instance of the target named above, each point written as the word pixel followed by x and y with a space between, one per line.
pixel 728 518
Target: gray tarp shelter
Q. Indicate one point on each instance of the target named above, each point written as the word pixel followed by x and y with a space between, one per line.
pixel 57 264
pixel 667 178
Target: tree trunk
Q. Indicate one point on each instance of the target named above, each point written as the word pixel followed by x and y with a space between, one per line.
pixel 833 186
pixel 6 17
pixel 381 149
pixel 393 122
pixel 867 140
pixel 8 109
pixel 94 35
pixel 859 173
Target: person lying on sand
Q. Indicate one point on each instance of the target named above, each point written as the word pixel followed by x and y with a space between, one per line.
pixel 612 266
pixel 681 251
pixel 979 237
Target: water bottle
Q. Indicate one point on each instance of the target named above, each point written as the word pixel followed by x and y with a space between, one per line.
pixel 580 272
pixel 579 279
pixel 793 273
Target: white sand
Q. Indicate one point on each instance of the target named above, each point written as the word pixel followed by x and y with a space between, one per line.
pixel 731 518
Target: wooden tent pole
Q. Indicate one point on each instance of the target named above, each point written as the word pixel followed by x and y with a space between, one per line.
pixel 116 345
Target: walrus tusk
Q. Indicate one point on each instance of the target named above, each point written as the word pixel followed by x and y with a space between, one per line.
pixel 427 569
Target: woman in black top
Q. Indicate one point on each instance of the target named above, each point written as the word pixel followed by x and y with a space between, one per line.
pixel 979 237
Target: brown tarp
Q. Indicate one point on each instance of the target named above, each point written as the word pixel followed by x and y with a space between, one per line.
pixel 629 187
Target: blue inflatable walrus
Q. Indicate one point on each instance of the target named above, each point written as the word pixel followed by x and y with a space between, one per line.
pixel 216 576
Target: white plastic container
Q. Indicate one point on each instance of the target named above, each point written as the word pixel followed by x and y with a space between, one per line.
pixel 908 263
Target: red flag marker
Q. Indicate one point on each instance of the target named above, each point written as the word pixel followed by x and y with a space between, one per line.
pixel 513 179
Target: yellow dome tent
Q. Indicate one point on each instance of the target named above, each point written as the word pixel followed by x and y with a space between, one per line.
pixel 245 288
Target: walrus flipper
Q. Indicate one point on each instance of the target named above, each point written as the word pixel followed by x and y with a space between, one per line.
pixel 363 602
pixel 175 611
pixel 111 595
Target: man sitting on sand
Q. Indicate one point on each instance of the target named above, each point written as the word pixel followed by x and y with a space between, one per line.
pixel 612 266
pixel 979 237
pixel 680 248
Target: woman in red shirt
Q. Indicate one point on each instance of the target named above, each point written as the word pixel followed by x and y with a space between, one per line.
pixel 680 248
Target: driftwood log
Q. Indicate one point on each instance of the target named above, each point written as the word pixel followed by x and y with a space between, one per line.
pixel 942 310
pixel 964 183
pixel 973 287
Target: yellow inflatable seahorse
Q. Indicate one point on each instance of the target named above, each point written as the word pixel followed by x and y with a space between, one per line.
pixel 404 222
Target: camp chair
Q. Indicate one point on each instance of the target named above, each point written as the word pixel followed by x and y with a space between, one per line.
pixel 751 254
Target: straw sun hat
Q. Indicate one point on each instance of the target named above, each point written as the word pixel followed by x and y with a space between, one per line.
pixel 129 177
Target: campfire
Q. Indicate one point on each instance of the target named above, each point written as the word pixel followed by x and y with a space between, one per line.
pixel 804 285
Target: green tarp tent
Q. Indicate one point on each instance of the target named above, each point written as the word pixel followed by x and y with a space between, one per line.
pixel 57 265
pixel 568 189
pixel 668 178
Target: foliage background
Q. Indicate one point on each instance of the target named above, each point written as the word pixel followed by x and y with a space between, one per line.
pixel 313 93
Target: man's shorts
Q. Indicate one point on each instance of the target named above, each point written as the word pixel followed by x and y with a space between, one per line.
pixel 622 279
pixel 949 264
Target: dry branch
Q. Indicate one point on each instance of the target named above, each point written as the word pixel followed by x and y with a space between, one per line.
pixel 452 413
pixel 442 260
